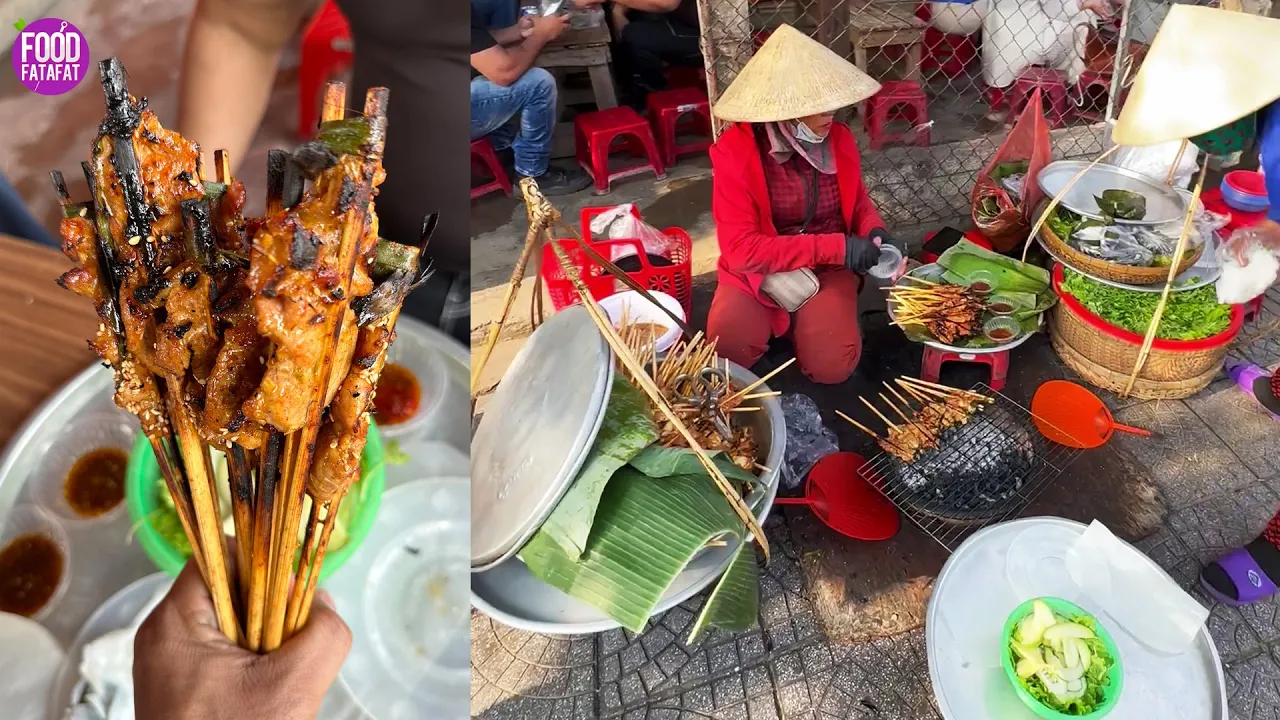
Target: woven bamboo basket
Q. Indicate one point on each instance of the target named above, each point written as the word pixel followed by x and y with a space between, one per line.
pixel 1114 272
pixel 1108 379
pixel 1105 355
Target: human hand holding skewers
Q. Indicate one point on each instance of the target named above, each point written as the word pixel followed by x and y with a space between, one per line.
pixel 185 667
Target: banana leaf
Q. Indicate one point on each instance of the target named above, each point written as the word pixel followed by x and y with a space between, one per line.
pixel 657 461
pixel 1122 204
pixel 964 259
pixel 645 532
pixel 626 430
pixel 735 603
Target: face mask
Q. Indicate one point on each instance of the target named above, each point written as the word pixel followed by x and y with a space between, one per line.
pixel 805 135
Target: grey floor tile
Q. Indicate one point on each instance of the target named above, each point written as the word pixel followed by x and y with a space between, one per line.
pixel 1186 460
pixel 1253 688
pixel 1247 429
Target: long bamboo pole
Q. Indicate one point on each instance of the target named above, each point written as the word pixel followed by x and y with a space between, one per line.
pixel 1053 202
pixel 1154 325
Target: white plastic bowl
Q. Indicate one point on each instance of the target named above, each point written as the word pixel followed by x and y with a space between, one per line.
pixel 84 435
pixel 638 309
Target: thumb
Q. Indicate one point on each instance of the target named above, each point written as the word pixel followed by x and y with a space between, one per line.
pixel 314 655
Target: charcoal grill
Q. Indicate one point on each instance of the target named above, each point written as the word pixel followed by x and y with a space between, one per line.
pixel 985 471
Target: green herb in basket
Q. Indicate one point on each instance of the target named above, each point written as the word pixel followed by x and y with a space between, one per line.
pixel 1189 314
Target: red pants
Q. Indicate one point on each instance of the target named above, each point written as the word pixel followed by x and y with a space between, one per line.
pixel 824 330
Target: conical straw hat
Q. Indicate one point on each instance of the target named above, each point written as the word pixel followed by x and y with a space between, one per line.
pixel 1205 69
pixel 793 76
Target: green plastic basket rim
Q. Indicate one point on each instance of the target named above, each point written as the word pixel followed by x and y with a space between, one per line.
pixel 1115 676
pixel 141 496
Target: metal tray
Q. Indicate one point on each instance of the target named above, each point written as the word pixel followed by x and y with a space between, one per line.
pixel 1164 203
pixel 963 656
pixel 510 594
pixel 105 561
pixel 925 270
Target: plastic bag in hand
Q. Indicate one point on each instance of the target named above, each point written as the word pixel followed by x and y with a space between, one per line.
pixel 1155 161
pixel 619 224
pixel 808 440
pixel 1113 243
pixel 1242 283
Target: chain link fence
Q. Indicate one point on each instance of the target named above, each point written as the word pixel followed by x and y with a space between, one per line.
pixel 957 74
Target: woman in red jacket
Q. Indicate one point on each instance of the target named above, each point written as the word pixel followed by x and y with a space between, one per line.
pixel 795 224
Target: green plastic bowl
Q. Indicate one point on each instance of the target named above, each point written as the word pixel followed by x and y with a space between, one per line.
pixel 142 489
pixel 1071 611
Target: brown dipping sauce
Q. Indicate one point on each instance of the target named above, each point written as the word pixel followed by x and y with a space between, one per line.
pixel 980 286
pixel 1000 334
pixel 30 570
pixel 1001 308
pixel 398 396
pixel 95 484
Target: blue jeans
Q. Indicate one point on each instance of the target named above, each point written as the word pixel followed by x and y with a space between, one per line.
pixel 16 220
pixel 532 99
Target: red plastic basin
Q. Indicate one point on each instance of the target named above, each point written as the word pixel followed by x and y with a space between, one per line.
pixel 1247 182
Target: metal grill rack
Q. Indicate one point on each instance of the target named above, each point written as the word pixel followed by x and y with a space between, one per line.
pixel 985 471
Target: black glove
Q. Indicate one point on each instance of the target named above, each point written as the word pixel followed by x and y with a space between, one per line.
pixel 860 254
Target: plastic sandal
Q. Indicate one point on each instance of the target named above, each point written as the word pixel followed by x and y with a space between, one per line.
pixel 1252 585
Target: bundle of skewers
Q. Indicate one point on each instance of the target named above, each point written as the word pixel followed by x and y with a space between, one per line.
pixel 920 428
pixel 694 380
pixel 948 312
pixel 263 338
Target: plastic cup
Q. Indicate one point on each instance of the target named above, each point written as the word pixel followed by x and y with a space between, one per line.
pixel 889 264
pixel 996 326
pixel 415 352
pixel 81 437
pixel 28 519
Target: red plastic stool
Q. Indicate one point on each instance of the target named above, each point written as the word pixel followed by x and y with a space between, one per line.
pixel 326 52
pixel 684 77
pixel 667 108
pixel 950 54
pixel 931 365
pixel 1253 308
pixel 896 99
pixel 758 37
pixel 482 154
pixel 972 236
pixel 1092 87
pixel 1052 85
pixel 594 133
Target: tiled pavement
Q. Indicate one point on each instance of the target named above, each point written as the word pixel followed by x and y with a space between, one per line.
pixel 1217 464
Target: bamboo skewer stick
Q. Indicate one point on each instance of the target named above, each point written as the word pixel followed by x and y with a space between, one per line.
pixel 655 395
pixel 946 388
pixel 268 474
pixel 532 241
pixel 738 395
pixel 1154 325
pixel 1053 203
pixel 309 588
pixel 897 395
pixel 240 479
pixel 1173 169
pixel 858 425
pixel 306 568
pixel 916 394
pixel 887 421
pixel 175 483
pixel 895 408
pixel 207 519
pixel 299 445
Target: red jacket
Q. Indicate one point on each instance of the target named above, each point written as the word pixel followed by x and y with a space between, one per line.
pixel 750 246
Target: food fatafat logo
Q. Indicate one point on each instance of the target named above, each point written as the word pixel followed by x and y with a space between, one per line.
pixel 50 56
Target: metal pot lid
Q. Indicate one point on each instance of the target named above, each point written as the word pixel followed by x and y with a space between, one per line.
pixel 536 433
pixel 1164 203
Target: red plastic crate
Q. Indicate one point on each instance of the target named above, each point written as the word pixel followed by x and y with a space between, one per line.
pixel 675 280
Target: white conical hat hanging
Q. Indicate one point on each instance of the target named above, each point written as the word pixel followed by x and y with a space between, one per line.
pixel 1206 68
pixel 793 76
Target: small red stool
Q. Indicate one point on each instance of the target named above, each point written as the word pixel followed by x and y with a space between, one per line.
pixel 326 52
pixel 1092 88
pixel 758 37
pixel 972 236
pixel 1053 88
pixel 482 154
pixel 950 54
pixel 685 77
pixel 897 99
pixel 1253 308
pixel 594 133
pixel 931 365
pixel 667 108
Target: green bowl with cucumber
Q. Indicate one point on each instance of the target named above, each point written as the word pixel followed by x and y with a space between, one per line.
pixel 1062 662
pixel 160 534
